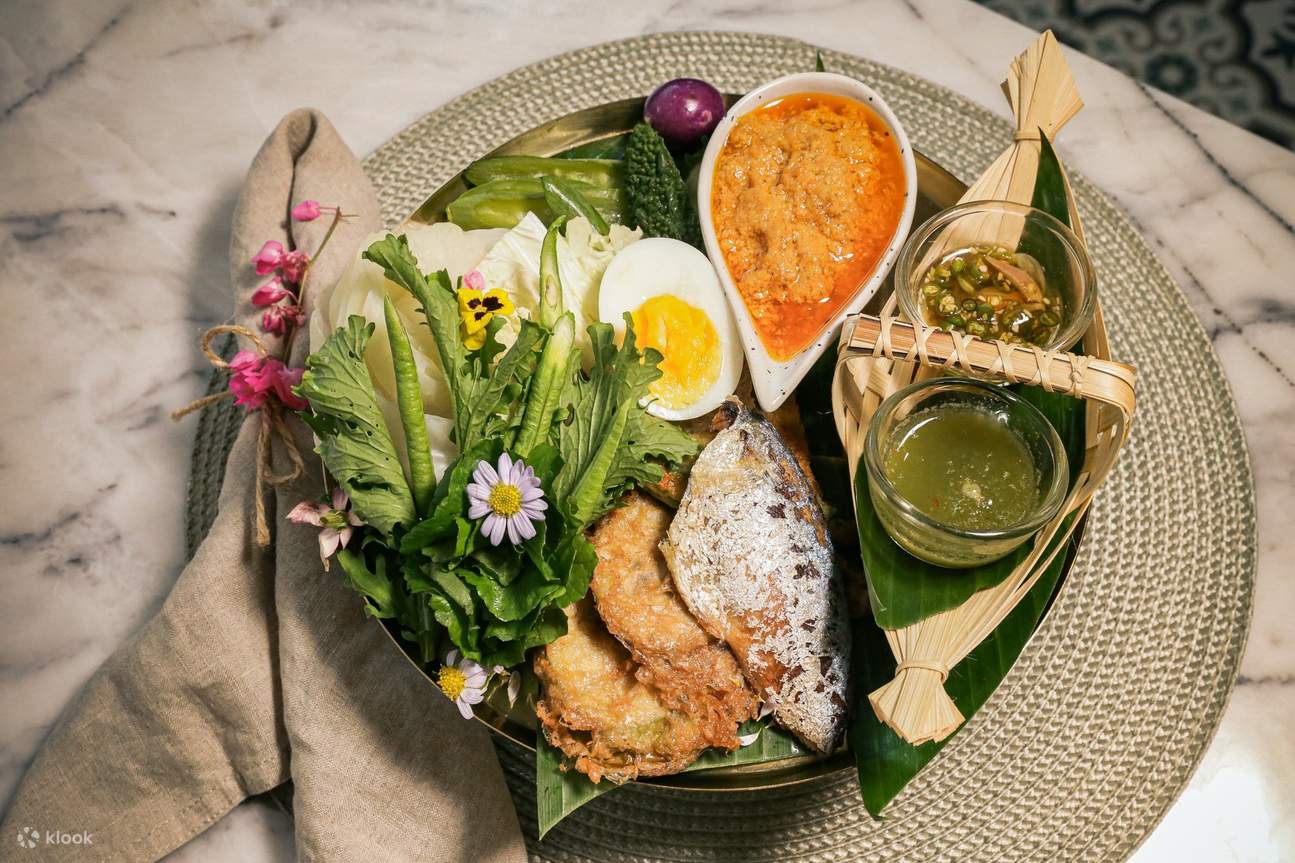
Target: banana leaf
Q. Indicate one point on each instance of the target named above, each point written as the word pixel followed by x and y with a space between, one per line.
pixel 772 744
pixel 885 762
pixel 1050 184
pixel 558 794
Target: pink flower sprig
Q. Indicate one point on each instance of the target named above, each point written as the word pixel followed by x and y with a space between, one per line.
pixel 279 319
pixel 273 256
pixel 254 380
pixel 280 295
pixel 309 210
pixel 271 292
pixel 337 523
pixel 268 259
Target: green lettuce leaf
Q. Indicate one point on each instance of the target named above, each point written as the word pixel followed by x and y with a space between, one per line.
pixel 354 441
pixel 514 601
pixel 372 584
pixel 453 607
pixel 449 501
pixel 592 405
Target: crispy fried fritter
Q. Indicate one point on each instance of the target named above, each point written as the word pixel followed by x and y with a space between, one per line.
pixel 638 603
pixel 600 714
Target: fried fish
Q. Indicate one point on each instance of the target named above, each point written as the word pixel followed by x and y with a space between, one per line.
pixel 786 418
pixel 752 559
pixel 595 709
pixel 636 599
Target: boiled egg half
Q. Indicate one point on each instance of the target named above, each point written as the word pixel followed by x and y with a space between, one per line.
pixel 674 298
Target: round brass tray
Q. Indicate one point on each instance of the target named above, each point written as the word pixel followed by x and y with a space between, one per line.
pixel 937 189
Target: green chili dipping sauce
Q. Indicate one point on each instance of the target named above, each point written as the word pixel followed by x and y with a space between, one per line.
pixel 992 293
pixel 964 467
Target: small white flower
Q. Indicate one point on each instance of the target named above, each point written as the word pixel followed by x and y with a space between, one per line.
pixel 514 683
pixel 510 499
pixel 338 522
pixel 514 687
pixel 463 682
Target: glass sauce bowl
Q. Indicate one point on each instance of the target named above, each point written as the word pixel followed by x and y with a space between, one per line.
pixel 1059 253
pixel 927 537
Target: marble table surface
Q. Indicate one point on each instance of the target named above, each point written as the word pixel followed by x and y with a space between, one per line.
pixel 127 127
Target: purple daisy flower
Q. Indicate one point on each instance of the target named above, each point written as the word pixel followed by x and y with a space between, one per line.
pixel 509 497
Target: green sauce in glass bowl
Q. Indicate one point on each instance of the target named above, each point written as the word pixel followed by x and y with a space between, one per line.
pixel 961 472
pixel 964 466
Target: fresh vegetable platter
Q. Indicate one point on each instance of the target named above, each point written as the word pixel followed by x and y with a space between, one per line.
pixel 599 130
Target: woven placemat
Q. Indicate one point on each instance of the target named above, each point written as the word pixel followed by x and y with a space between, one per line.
pixel 1110 707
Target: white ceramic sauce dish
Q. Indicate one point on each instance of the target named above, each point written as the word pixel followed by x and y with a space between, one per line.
pixel 773 380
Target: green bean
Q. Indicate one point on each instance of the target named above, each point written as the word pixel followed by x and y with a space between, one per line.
pixel 565 198
pixel 551 304
pixel 503 203
pixel 473 210
pixel 607 173
pixel 409 400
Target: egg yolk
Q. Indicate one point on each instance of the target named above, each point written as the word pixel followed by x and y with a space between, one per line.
pixel 688 344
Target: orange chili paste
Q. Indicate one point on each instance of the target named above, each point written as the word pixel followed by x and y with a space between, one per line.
pixel 808 191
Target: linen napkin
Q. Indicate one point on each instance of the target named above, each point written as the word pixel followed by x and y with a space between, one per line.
pixel 261 667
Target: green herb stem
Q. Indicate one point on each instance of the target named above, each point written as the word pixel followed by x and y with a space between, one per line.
pixel 409 399
pixel 546 387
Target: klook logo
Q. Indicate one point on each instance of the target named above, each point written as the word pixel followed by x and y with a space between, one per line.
pixel 29 837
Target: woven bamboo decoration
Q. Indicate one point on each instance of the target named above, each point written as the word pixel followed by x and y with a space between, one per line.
pixel 880 355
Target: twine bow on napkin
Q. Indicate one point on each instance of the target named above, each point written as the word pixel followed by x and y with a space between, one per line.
pixel 271 420
pixel 261 668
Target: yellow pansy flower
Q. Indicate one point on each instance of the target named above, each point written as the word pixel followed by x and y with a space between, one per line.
pixel 477 307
